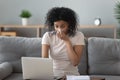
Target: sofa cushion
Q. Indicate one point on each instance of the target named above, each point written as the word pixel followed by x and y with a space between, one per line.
pixel 82 67
pixel 17 66
pixel 32 47
pixel 5 70
pixel 13 48
pixel 104 56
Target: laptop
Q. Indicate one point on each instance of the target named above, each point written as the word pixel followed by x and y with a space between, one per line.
pixel 37 68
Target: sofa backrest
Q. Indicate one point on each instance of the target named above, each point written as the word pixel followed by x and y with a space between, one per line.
pixel 13 48
pixel 104 56
pixel 83 65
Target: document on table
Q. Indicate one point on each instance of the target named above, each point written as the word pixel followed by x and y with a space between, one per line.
pixel 73 77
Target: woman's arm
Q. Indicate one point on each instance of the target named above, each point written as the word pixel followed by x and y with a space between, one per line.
pixel 45 50
pixel 74 52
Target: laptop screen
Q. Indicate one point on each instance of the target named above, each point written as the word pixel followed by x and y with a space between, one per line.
pixel 37 68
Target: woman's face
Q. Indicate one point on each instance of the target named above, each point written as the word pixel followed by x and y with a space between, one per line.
pixel 61 26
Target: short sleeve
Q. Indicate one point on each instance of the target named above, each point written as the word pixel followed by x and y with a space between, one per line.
pixel 79 39
pixel 46 39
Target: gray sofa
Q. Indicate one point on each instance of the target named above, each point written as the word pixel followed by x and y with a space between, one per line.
pixel 101 57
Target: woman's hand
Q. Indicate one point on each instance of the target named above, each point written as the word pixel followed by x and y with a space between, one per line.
pixel 62 35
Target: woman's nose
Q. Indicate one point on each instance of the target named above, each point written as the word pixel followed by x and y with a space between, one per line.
pixel 59 29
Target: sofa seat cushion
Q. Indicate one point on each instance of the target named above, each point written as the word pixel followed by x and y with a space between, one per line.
pixel 107 77
pixel 104 56
pixel 15 76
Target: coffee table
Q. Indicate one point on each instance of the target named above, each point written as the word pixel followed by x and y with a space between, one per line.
pixel 96 78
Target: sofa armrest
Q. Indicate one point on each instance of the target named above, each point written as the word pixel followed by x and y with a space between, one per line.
pixel 5 70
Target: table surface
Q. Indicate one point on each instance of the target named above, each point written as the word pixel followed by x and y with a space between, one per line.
pixel 96 78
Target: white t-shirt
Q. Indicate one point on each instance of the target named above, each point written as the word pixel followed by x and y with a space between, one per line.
pixel 58 52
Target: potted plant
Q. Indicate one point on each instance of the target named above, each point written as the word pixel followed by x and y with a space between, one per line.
pixel 25 14
pixel 117 14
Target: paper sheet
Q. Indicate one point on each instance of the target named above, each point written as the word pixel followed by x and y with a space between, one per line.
pixel 73 77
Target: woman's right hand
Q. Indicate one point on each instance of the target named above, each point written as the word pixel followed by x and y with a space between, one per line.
pixel 62 35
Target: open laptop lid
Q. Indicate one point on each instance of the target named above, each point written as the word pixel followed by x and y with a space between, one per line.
pixel 37 68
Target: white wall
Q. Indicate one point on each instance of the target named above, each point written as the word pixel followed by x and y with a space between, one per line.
pixel 87 10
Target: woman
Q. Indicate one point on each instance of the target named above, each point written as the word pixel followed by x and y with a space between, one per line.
pixel 63 41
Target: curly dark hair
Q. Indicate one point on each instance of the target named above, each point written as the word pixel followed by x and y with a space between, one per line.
pixel 65 14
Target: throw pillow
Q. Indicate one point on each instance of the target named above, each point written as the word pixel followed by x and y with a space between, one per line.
pixel 5 69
